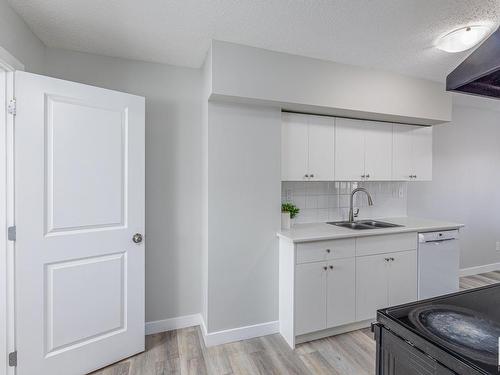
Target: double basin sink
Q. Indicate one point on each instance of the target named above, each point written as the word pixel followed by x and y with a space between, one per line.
pixel 364 224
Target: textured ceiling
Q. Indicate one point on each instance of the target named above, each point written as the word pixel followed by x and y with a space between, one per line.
pixel 395 35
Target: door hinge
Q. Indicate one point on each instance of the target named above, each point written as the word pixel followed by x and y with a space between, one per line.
pixel 13 359
pixel 11 107
pixel 12 233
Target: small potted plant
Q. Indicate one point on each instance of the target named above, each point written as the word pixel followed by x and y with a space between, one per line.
pixel 288 212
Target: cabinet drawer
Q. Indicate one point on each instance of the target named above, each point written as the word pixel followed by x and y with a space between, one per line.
pixel 386 243
pixel 325 250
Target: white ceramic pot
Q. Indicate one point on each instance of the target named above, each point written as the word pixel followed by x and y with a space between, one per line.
pixel 286 222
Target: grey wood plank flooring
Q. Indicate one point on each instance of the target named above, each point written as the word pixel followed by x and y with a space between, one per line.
pixel 182 352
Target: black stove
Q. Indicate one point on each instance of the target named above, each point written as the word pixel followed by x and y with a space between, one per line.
pixel 458 333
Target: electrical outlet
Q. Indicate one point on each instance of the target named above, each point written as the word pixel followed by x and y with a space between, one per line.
pixel 498 245
pixel 288 194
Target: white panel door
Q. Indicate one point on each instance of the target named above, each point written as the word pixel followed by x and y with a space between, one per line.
pixel 321 148
pixel 349 150
pixel 310 297
pixel 378 151
pixel 371 285
pixel 341 292
pixel 402 282
pixel 422 153
pixel 294 147
pixel 79 200
pixel 402 166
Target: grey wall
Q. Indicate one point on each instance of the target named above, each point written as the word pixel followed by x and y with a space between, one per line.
pixel 465 182
pixel 244 197
pixel 173 170
pixel 17 38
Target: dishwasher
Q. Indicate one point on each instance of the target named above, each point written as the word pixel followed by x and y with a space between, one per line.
pixel 438 263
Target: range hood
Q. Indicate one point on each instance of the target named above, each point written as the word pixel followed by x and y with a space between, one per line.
pixel 479 74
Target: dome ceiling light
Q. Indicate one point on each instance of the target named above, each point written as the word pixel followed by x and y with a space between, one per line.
pixel 462 39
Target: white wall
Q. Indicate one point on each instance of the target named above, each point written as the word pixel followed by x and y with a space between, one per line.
pixel 248 74
pixel 19 41
pixel 243 214
pixel 173 170
pixel 466 181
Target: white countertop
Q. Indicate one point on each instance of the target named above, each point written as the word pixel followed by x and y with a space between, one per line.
pixel 323 231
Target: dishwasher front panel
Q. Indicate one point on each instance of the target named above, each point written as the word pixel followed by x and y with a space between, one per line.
pixel 438 268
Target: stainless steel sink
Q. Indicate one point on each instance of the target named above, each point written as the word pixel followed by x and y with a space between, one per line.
pixel 363 224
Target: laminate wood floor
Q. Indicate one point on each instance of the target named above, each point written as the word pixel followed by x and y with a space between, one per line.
pixel 183 352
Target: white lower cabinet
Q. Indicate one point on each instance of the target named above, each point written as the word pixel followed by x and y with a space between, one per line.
pixel 340 292
pixel 324 295
pixel 384 280
pixel 334 286
pixel 310 297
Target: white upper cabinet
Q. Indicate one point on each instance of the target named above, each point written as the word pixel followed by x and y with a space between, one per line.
pixel 363 150
pixel 349 150
pixel 307 147
pixel 294 147
pixel 378 151
pixel 422 153
pixel 321 148
pixel 412 153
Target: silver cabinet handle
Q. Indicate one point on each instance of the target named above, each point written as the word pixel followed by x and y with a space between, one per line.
pixel 331 267
pixel 387 259
pixel 325 268
pixel 328 251
pixel 306 175
pixel 363 176
pixel 367 176
pixel 392 259
pixel 137 238
pixel 312 176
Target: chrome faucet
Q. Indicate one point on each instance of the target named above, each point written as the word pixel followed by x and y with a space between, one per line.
pixel 351 209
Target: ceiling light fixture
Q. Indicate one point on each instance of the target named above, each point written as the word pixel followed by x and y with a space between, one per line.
pixel 462 39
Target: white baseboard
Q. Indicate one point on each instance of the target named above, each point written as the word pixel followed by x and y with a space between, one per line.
pixel 213 338
pixel 179 322
pixel 238 334
pixel 480 269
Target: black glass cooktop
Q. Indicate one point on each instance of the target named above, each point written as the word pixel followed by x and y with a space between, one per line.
pixel 465 324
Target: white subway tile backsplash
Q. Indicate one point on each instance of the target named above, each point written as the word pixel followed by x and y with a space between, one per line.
pixel 329 201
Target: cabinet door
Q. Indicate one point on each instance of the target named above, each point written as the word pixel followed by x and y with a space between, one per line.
pixel 422 153
pixel 310 297
pixel 321 148
pixel 349 150
pixel 340 292
pixel 402 167
pixel 371 285
pixel 402 277
pixel 378 151
pixel 294 144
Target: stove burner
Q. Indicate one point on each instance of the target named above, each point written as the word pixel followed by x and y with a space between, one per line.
pixel 465 331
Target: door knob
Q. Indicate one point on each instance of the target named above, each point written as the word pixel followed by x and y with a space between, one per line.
pixel 137 238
